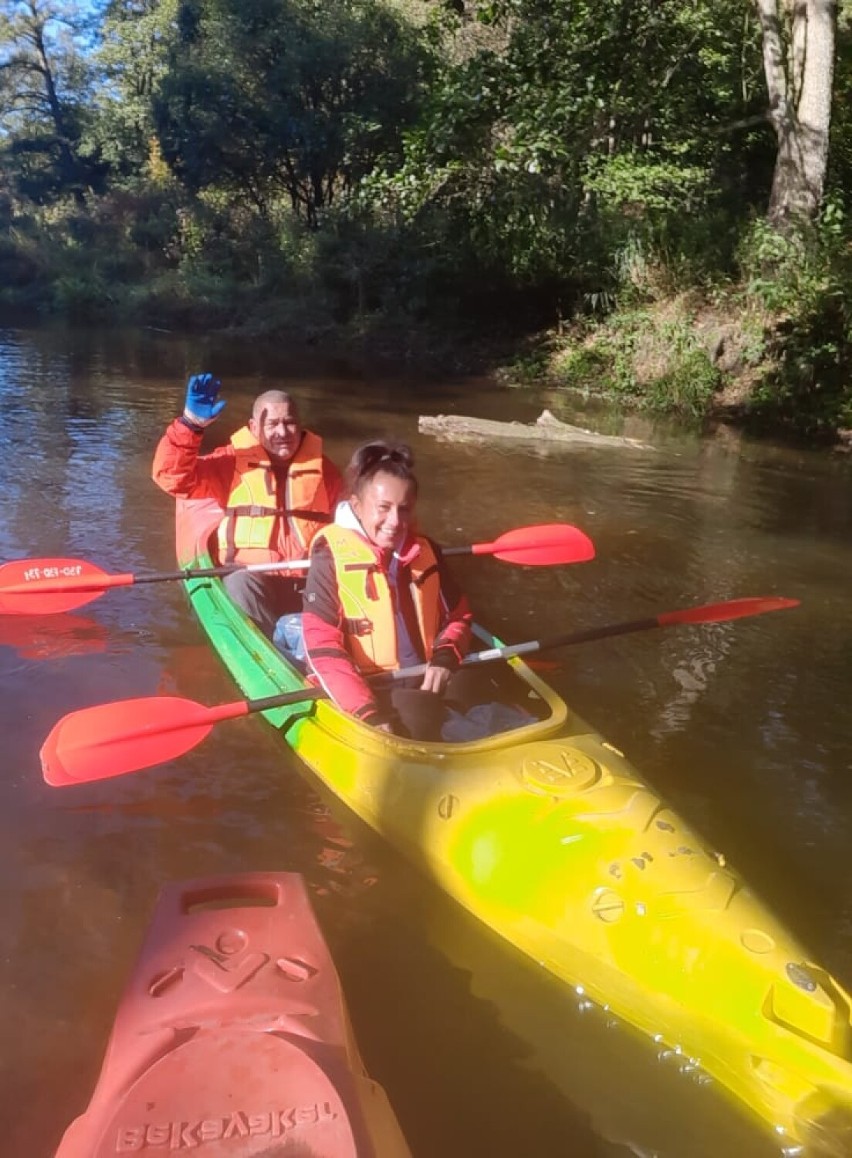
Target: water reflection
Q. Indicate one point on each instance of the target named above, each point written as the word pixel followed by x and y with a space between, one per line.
pixel 44 637
pixel 745 727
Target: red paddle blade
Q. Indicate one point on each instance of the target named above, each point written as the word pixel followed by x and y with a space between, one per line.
pixel 49 586
pixel 543 546
pixel 732 609
pixel 111 739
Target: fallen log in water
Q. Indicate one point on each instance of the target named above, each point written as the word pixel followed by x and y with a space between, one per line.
pixel 546 428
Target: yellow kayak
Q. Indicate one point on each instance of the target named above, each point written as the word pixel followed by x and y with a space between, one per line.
pixel 548 835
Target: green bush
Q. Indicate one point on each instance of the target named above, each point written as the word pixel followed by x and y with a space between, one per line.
pixel 650 362
pixel 586 367
pixel 805 278
pixel 687 388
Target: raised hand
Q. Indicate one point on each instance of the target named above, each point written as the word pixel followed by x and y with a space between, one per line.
pixel 201 407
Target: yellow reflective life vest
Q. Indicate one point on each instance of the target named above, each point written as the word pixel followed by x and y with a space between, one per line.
pixel 255 529
pixel 367 602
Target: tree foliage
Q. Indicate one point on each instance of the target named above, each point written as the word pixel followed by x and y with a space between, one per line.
pixel 268 100
pixel 222 160
pixel 595 123
pixel 134 58
pixel 44 75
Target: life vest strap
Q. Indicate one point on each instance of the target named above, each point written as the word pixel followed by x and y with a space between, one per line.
pixel 258 512
pixel 329 653
pixel 419 580
pixel 371 569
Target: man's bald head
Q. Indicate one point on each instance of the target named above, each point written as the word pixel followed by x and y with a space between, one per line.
pixel 272 397
pixel 275 424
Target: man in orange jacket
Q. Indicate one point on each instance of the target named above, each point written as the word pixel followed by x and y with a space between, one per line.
pixel 275 486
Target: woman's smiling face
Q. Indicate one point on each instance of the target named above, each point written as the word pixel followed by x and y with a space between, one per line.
pixel 385 507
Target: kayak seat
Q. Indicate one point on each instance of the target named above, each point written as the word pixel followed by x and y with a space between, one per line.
pixel 483 720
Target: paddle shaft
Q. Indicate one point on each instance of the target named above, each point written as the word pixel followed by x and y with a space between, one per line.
pixel 261 568
pixel 739 608
pixel 105 582
pixel 487 655
pixel 112 739
pixel 490 654
pixel 707 613
pixel 55 585
pixel 290 565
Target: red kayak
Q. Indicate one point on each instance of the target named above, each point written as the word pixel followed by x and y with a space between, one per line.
pixel 232 1037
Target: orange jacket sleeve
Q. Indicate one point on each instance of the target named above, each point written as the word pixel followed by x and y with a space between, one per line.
pixel 181 471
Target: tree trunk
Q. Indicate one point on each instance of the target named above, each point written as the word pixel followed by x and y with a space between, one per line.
pixel 70 162
pixel 798 61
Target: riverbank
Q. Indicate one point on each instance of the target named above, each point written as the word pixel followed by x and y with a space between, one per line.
pixel 724 356
pixel 697 354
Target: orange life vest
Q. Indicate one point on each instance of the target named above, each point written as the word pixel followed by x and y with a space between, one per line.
pixel 250 532
pixel 367 602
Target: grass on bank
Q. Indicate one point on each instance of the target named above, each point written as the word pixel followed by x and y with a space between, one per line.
pixel 773 350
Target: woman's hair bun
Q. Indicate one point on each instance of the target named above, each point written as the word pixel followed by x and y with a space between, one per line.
pixel 395 458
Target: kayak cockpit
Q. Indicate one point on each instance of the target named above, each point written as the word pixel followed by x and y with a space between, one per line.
pixel 513 700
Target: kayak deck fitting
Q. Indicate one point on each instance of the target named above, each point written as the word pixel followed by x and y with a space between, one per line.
pixel 548 835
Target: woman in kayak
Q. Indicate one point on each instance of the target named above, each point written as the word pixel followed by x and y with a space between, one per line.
pixel 379 597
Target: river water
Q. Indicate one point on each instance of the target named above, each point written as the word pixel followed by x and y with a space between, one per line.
pixel 744 727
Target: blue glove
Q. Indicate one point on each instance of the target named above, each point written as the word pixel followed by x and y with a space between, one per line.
pixel 201 407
